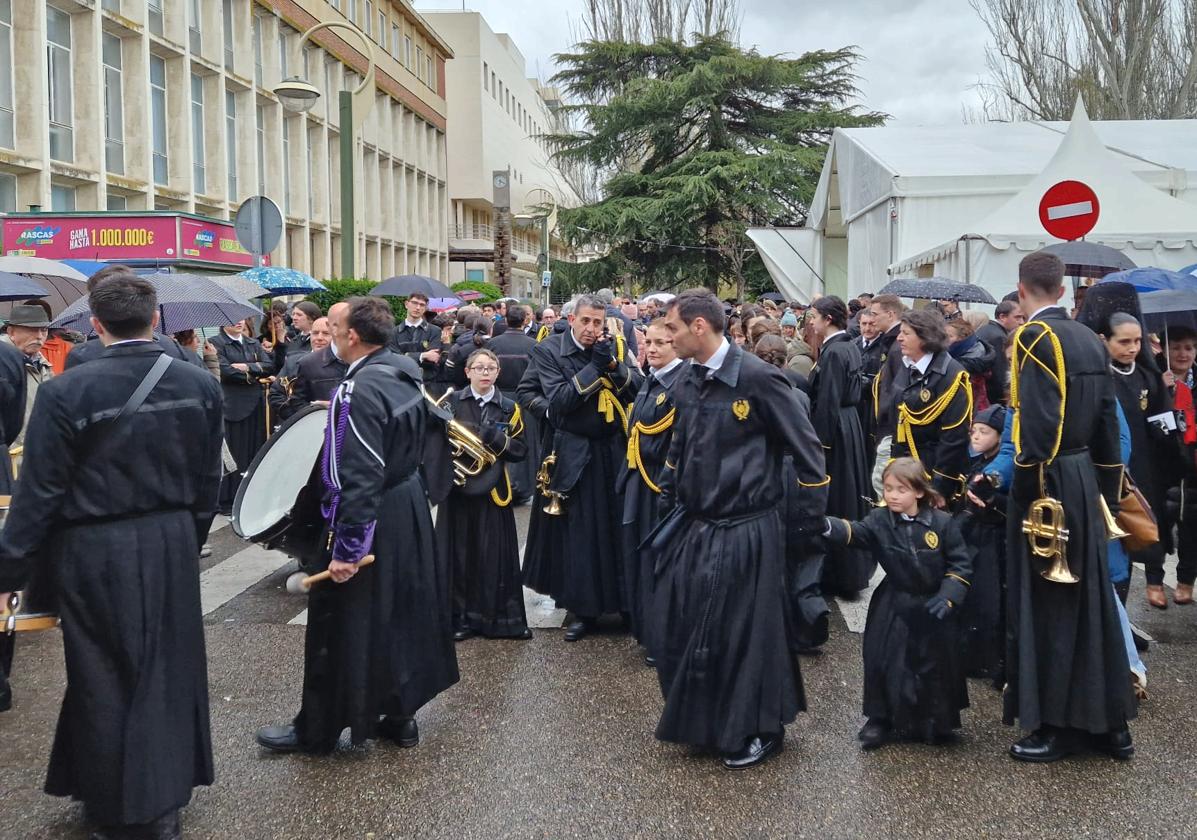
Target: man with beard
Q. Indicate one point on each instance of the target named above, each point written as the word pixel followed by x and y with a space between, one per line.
pixel 581 380
pixel 119 536
pixel 726 665
pixel 379 640
pixel 1068 677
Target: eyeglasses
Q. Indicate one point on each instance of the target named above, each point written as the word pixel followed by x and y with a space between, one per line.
pixel 484 370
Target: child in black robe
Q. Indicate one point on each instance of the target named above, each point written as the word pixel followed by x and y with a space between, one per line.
pixel 983 524
pixel 913 684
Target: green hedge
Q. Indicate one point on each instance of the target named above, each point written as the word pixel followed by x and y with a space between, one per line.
pixel 339 290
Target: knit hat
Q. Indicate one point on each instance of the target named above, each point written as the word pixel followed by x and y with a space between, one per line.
pixel 789 319
pixel 994 417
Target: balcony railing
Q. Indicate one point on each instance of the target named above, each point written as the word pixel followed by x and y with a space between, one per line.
pixel 474 231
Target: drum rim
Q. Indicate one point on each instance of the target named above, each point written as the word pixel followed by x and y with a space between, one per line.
pixel 235 519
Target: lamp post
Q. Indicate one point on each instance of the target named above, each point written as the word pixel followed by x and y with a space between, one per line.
pixel 298 95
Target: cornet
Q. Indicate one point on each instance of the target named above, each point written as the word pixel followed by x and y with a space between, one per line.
pixel 544 477
pixel 1047 536
pixel 471 458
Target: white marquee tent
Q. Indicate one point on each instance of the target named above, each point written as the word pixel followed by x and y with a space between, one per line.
pixel 917 201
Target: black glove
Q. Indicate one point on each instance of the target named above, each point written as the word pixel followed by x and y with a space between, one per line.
pixel 492 436
pixel 982 488
pixel 603 353
pixel 939 606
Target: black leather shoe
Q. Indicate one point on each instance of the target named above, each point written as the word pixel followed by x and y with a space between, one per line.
pixel 874 734
pixel 279 738
pixel 1044 746
pixel 403 731
pixel 755 751
pixel 525 636
pixel 650 662
pixel 1116 744
pixel 462 633
pixel 576 630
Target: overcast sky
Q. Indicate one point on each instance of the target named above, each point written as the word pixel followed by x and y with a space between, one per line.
pixel 921 57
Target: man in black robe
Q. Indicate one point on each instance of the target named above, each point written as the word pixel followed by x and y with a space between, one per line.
pixel 116 510
pixel 244 363
pixel 379 640
pixel 418 339
pixel 12 408
pixel 582 383
pixel 887 359
pixel 514 349
pixel 1067 668
pixel 726 664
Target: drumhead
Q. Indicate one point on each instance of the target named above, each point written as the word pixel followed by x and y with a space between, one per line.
pixel 278 472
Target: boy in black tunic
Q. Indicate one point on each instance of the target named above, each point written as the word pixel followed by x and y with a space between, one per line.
pixel 726 665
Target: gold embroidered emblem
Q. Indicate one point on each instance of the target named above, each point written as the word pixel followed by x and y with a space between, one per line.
pixel 925 395
pixel 661 398
pixel 883 357
pixel 425 345
pixel 740 409
pixel 932 539
pixel 1143 400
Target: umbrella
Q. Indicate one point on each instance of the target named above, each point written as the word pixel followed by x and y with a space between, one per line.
pixel 87 267
pixel 62 283
pixel 247 290
pixel 937 288
pixel 185 301
pixel 1166 298
pixel 410 284
pixel 282 281
pixel 776 297
pixel 660 297
pixel 1089 259
pixel 1189 269
pixel 440 304
pixel 19 287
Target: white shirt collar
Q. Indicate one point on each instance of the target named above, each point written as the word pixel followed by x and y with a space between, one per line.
pixel 833 335
pixel 415 323
pixel 131 341
pixel 240 339
pixel 922 364
pixel 716 361
pixel 574 339
pixel 666 368
pixel 484 397
pixel 354 366
pixel 1041 310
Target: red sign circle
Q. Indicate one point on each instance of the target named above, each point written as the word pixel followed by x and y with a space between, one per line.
pixel 1069 210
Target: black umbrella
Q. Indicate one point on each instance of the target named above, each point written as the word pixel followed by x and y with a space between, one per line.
pixel 185 301
pixel 410 284
pixel 937 288
pixel 1089 259
pixel 777 297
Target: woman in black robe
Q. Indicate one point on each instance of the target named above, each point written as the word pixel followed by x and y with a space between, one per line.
pixel 835 392
pixel 475 524
pixel 243 363
pixel 932 404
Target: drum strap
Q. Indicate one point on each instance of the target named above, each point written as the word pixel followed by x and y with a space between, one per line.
pixel 152 378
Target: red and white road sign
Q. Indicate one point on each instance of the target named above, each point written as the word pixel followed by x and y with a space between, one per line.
pixel 1069 210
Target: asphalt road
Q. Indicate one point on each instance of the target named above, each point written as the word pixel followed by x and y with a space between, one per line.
pixel 548 739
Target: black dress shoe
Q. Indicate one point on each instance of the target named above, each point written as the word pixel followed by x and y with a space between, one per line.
pixel 874 733
pixel 755 751
pixel 650 661
pixel 280 738
pixel 1044 746
pixel 403 731
pixel 1116 744
pixel 576 630
pixel 525 636
pixel 462 633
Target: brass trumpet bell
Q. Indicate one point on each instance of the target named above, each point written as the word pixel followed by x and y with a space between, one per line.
pixel 1047 537
pixel 553 508
pixel 544 478
pixel 1113 529
pixel 471 458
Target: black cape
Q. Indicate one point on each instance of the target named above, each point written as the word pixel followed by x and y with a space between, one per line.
pixel 381 643
pixel 933 417
pixel 835 391
pixel 117 518
pixel 805 556
pixel 577 557
pixel 1066 662
pixel 475 524
pixel 12 408
pixel 724 658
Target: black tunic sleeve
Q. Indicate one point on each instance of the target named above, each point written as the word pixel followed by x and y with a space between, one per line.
pixel 958 561
pixel 229 374
pixel 830 382
pixel 1037 384
pixel 12 393
pixel 789 423
pixel 528 393
pixel 951 452
pixel 866 534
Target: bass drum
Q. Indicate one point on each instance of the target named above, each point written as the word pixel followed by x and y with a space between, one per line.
pixel 278 502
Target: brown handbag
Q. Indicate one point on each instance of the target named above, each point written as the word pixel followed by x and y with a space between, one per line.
pixel 1135 517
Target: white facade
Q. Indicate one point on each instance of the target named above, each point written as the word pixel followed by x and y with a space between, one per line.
pixel 496 118
pixel 126 105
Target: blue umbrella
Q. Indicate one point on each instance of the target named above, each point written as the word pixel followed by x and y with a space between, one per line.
pixel 19 287
pixel 185 302
pixel 1167 298
pixel 283 281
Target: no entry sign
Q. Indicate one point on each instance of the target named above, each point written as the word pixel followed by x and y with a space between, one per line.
pixel 1069 210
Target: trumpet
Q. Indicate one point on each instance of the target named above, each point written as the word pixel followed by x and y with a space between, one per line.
pixel 471 458
pixel 1113 529
pixel 544 477
pixel 1047 536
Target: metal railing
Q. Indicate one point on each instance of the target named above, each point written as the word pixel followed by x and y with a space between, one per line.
pixel 473 231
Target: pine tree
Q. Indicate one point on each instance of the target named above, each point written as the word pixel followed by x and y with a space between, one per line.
pixel 696 141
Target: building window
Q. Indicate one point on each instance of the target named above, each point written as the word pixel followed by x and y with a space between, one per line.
pixel 8 193
pixel 228 34
pixel 193 30
pixel 7 130
pixel 155 16
pixel 418 68
pixel 58 70
pixel 351 7
pixel 117 203
pixel 230 127
pixel 197 132
pixel 158 116
pixel 282 52
pixel 429 72
pixel 111 5
pixel 493 88
pixel 114 119
pixel 261 117
pixel 407 51
pixel 62 199
pixel 395 40
pixel 382 30
pixel 286 166
pixel 257 50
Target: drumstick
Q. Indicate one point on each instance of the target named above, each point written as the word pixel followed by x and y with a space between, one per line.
pixel 304 584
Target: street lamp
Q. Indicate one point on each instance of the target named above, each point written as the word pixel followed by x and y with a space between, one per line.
pixel 298 95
